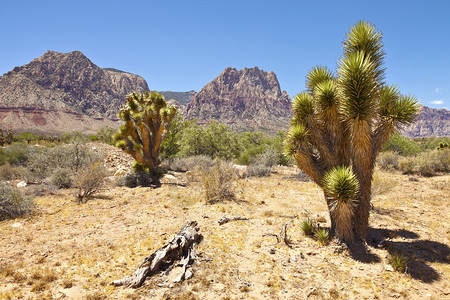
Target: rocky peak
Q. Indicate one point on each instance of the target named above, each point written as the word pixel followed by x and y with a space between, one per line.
pixel 83 86
pixel 244 99
pixel 431 121
pixel 64 84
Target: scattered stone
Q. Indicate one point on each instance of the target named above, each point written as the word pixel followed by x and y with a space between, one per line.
pixel 170 177
pixel 388 268
pixel 120 172
pixel 21 184
pixel 272 251
pixel 16 225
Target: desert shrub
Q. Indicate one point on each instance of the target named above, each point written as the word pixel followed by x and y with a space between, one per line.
pixel 407 165
pixel 191 163
pixel 218 182
pixel 88 180
pixel 8 172
pixel 61 178
pixel 135 179
pixel 431 162
pixel 258 170
pixel 12 203
pixel 269 157
pixel 16 154
pixel 381 184
pixel 44 161
pixel 105 135
pixel 427 163
pixel 388 160
pixel 401 145
pixel 72 137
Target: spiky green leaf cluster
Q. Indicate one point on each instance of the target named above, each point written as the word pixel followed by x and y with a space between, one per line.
pixel 341 183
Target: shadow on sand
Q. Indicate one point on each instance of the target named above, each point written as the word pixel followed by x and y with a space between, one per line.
pixel 419 252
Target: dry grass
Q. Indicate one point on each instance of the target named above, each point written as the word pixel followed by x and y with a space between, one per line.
pixel 82 248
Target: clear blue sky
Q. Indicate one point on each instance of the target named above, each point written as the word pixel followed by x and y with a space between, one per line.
pixel 182 45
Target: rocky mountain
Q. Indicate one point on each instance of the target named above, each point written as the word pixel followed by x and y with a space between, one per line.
pixel 431 121
pixel 243 99
pixel 63 91
pixel 182 98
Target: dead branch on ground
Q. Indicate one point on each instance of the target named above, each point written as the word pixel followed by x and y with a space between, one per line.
pixel 180 248
pixel 224 219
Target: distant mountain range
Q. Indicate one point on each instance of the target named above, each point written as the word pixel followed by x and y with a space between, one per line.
pixel 60 92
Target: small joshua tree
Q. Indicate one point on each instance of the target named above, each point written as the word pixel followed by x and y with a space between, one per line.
pixel 147 122
pixel 340 124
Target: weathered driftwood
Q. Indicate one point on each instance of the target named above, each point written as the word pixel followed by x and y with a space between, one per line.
pixel 224 219
pixel 180 248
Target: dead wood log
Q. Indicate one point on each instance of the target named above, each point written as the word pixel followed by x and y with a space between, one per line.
pixel 224 219
pixel 180 248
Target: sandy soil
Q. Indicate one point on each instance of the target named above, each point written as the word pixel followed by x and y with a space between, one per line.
pixel 73 251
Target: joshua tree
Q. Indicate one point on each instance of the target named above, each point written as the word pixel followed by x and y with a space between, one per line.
pixel 147 122
pixel 340 124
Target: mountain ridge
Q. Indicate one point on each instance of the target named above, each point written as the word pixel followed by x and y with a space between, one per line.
pixel 243 99
pixel 60 91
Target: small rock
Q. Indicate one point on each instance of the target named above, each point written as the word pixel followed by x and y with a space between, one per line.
pixel 120 172
pixel 389 268
pixel 272 251
pixel 21 184
pixel 170 177
pixel 16 225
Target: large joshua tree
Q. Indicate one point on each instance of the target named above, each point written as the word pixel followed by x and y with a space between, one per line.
pixel 147 122
pixel 341 122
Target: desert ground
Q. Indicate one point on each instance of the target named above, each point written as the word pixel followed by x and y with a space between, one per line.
pixel 73 251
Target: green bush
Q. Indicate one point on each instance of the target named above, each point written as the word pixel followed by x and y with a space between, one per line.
pixel 248 156
pixel 434 142
pixel 215 140
pixel 74 136
pixel 105 135
pixel 16 154
pixel 93 138
pixel 12 203
pixel 401 145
